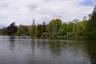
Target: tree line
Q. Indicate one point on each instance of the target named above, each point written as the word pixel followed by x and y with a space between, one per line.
pixel 56 28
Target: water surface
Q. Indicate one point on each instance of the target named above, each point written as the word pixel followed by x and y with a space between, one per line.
pixel 25 50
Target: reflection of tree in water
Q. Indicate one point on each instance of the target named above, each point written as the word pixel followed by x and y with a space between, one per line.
pixel 91 47
pixel 33 44
pixel 56 47
pixel 42 43
pixel 12 42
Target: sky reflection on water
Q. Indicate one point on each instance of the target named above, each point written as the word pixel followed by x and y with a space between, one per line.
pixel 24 50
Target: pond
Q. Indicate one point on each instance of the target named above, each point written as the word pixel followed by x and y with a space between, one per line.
pixel 25 50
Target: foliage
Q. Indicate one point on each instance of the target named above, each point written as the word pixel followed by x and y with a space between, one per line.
pixel 40 30
pixel 12 29
pixel 54 25
pixel 32 29
pixel 63 29
pixel 55 28
pixel 22 29
pixel 91 26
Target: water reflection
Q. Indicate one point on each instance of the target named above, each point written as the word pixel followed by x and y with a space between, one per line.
pixel 24 50
pixel 12 42
pixel 33 45
pixel 56 47
pixel 91 47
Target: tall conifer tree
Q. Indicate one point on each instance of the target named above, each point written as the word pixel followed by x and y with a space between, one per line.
pixel 91 26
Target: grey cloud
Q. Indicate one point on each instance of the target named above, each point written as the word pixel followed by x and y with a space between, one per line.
pixel 4 4
pixel 42 10
pixel 32 7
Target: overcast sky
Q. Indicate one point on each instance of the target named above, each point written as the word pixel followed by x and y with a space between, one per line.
pixel 23 11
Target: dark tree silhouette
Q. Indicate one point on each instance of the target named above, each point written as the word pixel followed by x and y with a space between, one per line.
pixel 91 25
pixel 12 29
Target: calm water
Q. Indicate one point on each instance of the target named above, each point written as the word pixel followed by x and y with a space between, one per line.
pixel 24 50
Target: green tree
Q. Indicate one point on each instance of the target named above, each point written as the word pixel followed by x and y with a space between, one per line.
pixel 53 26
pixel 63 29
pixel 70 27
pixel 76 29
pixel 22 29
pixel 32 29
pixel 39 30
pixel 91 26
pixel 12 29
